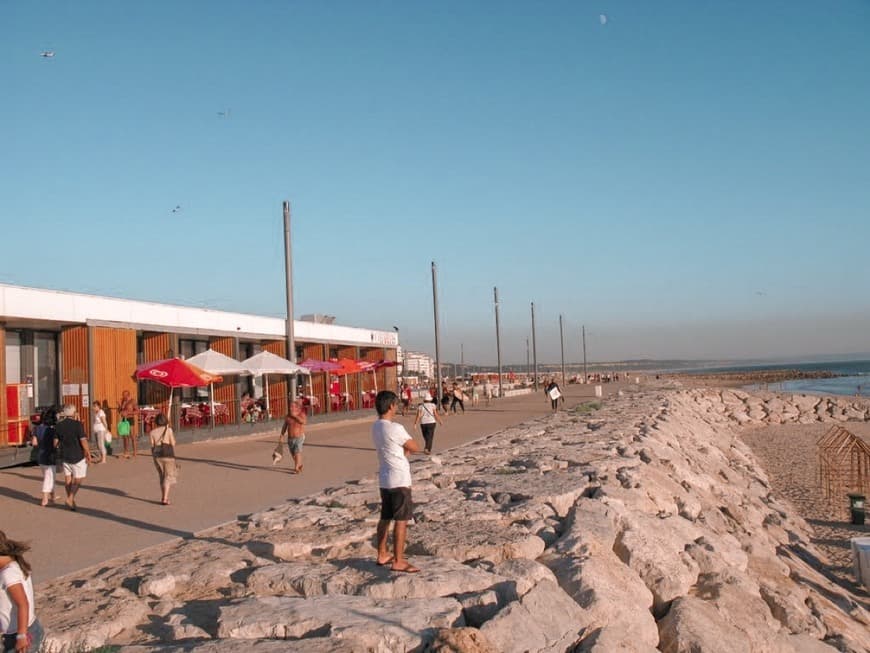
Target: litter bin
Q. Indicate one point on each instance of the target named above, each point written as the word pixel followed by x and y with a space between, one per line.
pixel 856 507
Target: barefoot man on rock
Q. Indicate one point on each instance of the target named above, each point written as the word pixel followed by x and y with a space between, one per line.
pixel 394 445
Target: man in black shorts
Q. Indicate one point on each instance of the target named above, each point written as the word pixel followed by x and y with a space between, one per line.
pixel 394 445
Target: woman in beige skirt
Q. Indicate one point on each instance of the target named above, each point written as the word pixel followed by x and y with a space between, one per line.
pixel 163 452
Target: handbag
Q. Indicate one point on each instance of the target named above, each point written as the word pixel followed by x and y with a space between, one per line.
pixel 123 428
pixel 278 452
pixel 164 449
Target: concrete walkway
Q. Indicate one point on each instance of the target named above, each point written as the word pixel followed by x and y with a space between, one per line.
pixel 119 510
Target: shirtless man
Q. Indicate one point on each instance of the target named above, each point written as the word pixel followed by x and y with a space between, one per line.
pixel 127 412
pixel 294 427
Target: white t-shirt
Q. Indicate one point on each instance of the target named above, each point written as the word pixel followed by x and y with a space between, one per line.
pixel 99 418
pixel 10 575
pixel 427 412
pixel 394 469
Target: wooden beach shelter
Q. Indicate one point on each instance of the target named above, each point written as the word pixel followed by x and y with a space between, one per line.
pixel 175 373
pixel 843 466
pixel 220 364
pixel 266 363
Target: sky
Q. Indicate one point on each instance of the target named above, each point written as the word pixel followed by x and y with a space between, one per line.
pixel 688 179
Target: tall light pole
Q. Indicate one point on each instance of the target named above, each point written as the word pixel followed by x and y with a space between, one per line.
pixel 528 364
pixel 462 360
pixel 402 362
pixel 437 331
pixel 534 347
pixel 585 375
pixel 288 285
pixel 497 340
pixel 562 343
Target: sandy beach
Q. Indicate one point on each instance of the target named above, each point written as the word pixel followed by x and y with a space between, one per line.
pixel 788 454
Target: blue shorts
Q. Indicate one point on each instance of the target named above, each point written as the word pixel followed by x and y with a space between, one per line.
pixel 295 444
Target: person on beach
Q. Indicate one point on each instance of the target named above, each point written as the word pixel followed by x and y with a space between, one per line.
pixel 294 429
pixel 456 398
pixel 72 442
pixel 46 454
pixel 127 414
pixel 19 626
pixel 406 398
pixel 554 392
pixel 393 445
pixel 427 418
pixel 487 391
pixel 445 397
pixel 163 452
pixel 101 430
pixel 476 389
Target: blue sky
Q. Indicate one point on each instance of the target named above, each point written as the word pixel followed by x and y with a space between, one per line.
pixel 690 179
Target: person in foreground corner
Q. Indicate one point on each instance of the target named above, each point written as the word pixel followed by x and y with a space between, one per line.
pixel 393 445
pixel 294 428
pixel 19 626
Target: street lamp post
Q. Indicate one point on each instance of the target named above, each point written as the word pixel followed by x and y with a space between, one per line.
pixel 402 362
pixel 562 342
pixel 534 347
pixel 497 340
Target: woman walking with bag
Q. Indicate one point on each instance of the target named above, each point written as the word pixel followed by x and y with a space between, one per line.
pixel 427 418
pixel 163 452
pixel 19 626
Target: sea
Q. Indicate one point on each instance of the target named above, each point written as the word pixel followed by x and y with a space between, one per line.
pixel 853 377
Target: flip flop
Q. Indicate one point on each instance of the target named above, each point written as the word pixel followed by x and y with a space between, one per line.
pixel 386 562
pixel 409 569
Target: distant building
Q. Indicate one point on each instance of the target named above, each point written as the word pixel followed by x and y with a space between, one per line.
pixel 418 363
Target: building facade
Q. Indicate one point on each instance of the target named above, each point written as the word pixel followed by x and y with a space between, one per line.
pixel 61 347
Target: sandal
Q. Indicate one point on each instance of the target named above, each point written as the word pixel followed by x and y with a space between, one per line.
pixel 407 569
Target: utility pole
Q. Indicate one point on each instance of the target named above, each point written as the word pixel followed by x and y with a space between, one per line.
pixel 585 375
pixel 288 284
pixel 528 364
pixel 562 343
pixel 497 340
pixel 462 360
pixel 437 331
pixel 534 347
pixel 402 362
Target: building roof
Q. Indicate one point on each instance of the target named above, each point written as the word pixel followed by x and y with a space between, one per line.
pixel 23 307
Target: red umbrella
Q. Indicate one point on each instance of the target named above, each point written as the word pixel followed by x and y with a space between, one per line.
pixel 374 366
pixel 320 366
pixel 175 373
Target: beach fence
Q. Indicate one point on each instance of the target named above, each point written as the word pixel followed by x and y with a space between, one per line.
pixel 843 467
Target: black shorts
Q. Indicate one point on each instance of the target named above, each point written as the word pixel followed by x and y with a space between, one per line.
pixel 396 503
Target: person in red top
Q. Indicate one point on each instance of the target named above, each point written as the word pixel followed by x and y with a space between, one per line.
pixel 406 398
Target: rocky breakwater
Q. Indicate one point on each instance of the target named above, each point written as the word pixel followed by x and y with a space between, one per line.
pixel 644 526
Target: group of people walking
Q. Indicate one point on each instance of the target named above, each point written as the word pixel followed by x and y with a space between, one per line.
pixel 62 446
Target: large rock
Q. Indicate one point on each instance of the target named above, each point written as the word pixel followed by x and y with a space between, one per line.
pixel 693 625
pixel 545 619
pixel 365 623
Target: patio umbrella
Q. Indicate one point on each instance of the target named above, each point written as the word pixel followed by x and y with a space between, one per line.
pixel 314 365
pixel 215 362
pixel 374 366
pixel 266 363
pixel 346 366
pixel 175 373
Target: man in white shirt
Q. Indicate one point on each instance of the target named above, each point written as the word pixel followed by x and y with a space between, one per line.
pixel 394 445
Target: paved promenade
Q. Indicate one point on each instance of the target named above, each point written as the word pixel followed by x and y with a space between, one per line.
pixel 119 510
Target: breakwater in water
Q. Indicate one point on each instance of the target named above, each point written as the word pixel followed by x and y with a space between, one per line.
pixel 646 525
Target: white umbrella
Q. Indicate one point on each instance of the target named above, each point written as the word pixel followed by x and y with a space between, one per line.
pixel 216 363
pixel 266 363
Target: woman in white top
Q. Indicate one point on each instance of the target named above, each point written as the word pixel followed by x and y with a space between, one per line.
pixel 427 417
pixel 101 430
pixel 18 623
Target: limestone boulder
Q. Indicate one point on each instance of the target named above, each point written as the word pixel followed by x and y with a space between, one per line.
pixel 545 619
pixel 693 625
pixel 382 625
pixel 610 593
pixel 459 640
pixel 490 541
